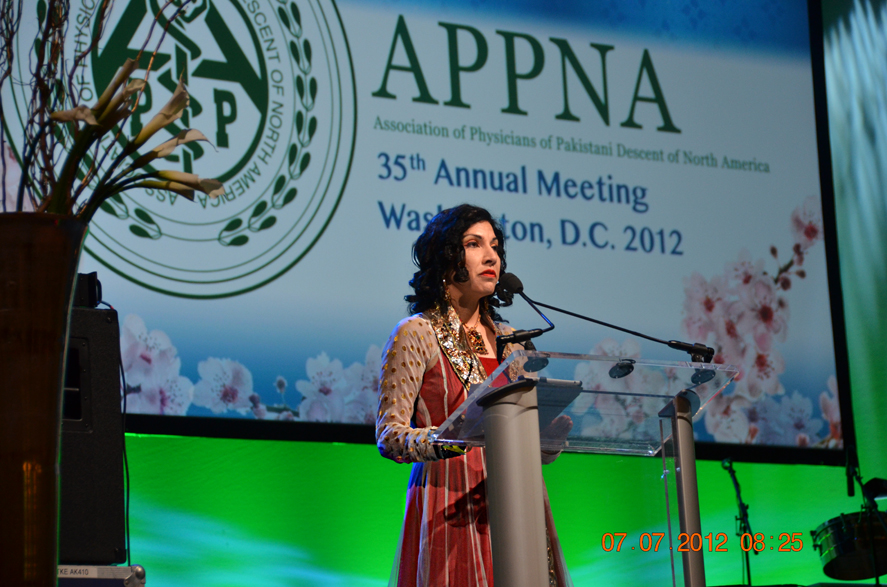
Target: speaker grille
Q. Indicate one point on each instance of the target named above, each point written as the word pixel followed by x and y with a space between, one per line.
pixel 91 516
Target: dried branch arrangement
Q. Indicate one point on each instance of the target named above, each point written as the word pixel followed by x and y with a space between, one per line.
pixel 76 156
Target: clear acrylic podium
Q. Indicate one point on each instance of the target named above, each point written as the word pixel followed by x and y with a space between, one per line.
pixel 616 405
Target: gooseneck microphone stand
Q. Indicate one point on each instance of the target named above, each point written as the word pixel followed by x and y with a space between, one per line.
pixel 699 353
pixel 742 519
pixel 510 283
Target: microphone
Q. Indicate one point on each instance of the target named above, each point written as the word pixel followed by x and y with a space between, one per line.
pixel 510 283
pixel 521 335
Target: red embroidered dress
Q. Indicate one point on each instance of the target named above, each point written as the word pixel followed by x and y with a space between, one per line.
pixel 445 539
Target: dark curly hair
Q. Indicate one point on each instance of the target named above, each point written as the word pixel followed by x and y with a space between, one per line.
pixel 439 251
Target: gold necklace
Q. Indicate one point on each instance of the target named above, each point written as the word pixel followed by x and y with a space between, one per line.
pixel 475 338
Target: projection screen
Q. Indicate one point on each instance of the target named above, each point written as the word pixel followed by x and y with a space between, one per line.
pixel 655 166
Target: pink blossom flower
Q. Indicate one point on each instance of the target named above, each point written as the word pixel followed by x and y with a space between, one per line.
pixel 789 422
pixel 365 377
pixel 762 372
pixel 280 384
pixel 325 391
pixel 730 344
pixel 147 357
pixel 643 381
pixel 798 256
pixel 704 300
pixel 806 223
pixel 595 375
pixel 318 409
pixel 259 410
pixel 609 421
pixel 151 369
pixel 360 409
pixel 743 270
pixel 636 413
pixel 363 386
pixel 643 410
pixel 764 314
pixel 828 403
pixel 726 420
pixel 224 385
pixel 168 397
pixel 618 412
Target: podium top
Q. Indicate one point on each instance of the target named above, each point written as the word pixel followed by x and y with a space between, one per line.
pixel 614 403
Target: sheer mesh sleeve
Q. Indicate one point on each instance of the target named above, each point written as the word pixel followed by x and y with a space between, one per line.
pixel 411 351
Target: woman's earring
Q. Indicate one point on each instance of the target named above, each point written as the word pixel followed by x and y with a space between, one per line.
pixel 447 293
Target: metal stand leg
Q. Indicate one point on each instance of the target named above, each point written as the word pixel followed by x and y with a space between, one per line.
pixel 514 489
pixel 681 411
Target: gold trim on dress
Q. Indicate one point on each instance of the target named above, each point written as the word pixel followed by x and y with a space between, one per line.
pixel 449 332
pixel 455 345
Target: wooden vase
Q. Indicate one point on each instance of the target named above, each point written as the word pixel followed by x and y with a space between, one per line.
pixel 39 254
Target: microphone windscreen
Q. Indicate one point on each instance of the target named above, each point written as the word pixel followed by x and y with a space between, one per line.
pixel 510 283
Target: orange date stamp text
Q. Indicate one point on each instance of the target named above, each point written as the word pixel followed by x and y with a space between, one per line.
pixel 652 542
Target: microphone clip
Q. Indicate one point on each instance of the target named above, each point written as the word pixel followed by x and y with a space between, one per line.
pixel 516 337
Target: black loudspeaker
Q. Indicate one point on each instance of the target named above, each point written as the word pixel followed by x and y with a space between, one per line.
pixel 91 515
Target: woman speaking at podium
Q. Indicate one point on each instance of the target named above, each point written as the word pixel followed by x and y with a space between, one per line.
pixel 428 364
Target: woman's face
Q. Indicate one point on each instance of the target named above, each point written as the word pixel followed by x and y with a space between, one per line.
pixel 481 262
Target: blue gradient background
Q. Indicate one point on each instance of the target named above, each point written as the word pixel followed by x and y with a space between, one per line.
pixel 775 26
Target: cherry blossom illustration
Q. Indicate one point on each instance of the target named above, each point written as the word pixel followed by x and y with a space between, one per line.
pixel 763 312
pixel 225 385
pixel 607 415
pixel 170 397
pixel 727 421
pixel 363 383
pixel 325 390
pixel 151 369
pixel 807 224
pixel 762 376
pixel 335 394
pixel 828 403
pixel 704 305
pixel 279 410
pixel 330 394
pixel 608 419
pixel 145 355
pixel 788 421
pixel 744 315
pixel 595 376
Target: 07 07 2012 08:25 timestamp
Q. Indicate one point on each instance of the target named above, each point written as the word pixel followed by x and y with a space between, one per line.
pixel 651 541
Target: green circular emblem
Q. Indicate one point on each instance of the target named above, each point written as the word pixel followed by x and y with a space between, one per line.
pixel 272 88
